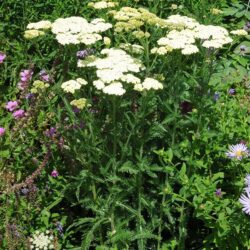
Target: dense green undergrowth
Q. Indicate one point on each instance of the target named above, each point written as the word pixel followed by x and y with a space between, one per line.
pixel 125 132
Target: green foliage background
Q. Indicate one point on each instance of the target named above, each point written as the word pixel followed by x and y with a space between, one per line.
pixel 142 173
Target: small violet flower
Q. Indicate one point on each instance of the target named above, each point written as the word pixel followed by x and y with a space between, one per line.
pixel 231 91
pixel 44 76
pixel 18 114
pixel 54 173
pixel 2 131
pixel 218 192
pixel 11 105
pixel 29 96
pixel 51 132
pixel 59 228
pixel 2 57
pixel 84 53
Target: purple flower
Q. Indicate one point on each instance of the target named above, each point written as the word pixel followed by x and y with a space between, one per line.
pixel 22 85
pixel 25 191
pixel 54 173
pixel 11 105
pixel 26 75
pixel 186 107
pixel 231 91
pixel 2 57
pixel 76 110
pixel 83 53
pixel 51 132
pixel 59 228
pixel 44 76
pixel 20 113
pixel 218 192
pixel 2 131
pixel 29 96
pixel 247 26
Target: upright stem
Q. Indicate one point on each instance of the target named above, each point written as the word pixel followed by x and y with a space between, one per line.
pixel 139 183
pixel 114 111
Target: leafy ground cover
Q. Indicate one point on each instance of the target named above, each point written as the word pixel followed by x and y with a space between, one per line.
pixel 124 124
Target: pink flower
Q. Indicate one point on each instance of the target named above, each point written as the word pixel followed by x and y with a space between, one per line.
pixel 44 76
pixel 54 173
pixel 2 57
pixel 2 131
pixel 20 113
pixel 22 85
pixel 11 105
pixel 26 75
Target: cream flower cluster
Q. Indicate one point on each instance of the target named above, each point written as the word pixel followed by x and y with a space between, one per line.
pixel 148 84
pixel 104 4
pixel 215 11
pixel 80 103
pixel 42 241
pixel 36 29
pixel 39 86
pixel 41 25
pixel 70 30
pixel 132 48
pixel 131 19
pixel 72 85
pixel 184 34
pixel 30 34
pixel 179 22
pixel 239 32
pixel 75 30
pixel 116 70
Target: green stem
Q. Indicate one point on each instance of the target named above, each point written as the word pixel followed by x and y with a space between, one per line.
pixel 139 186
pixel 161 217
pixel 114 109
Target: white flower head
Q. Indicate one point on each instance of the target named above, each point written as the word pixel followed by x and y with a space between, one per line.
pixel 41 25
pixel 114 88
pixel 245 201
pixel 237 151
pixel 151 83
pixel 41 241
pixel 70 86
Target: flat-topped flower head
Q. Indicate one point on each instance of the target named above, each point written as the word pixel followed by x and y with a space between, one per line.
pixel 237 151
pixel 76 30
pixel 80 103
pixel 71 86
pixel 40 240
pixel 41 25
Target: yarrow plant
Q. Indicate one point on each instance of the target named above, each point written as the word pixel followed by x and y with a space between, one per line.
pixel 117 125
pixel 41 240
